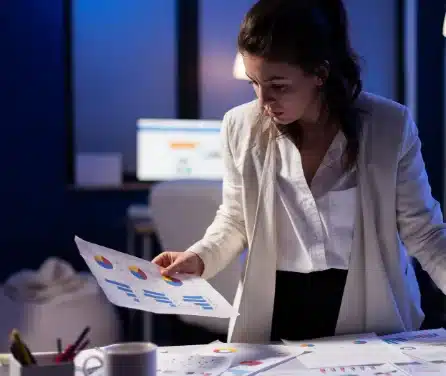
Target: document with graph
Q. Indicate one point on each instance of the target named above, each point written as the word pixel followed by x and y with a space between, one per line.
pixel 131 282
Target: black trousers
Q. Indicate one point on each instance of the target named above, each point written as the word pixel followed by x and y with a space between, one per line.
pixel 307 305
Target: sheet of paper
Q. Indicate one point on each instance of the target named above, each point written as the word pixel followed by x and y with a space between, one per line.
pixel 296 364
pixel 188 349
pixel 382 370
pixel 423 369
pixel 417 340
pixel 131 282
pixel 426 345
pixel 346 337
pixel 179 364
pixel 251 355
pixel 429 355
pixel 347 351
pixel 253 367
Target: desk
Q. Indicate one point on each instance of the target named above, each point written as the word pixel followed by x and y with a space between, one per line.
pixel 295 362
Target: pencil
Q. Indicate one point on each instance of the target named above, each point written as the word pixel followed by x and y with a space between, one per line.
pixel 83 345
pixel 70 351
pixel 80 338
pixel 19 349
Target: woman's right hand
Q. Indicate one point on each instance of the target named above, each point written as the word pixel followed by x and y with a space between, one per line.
pixel 179 262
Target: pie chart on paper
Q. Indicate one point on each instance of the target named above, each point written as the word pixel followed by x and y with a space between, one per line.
pixel 103 262
pixel 172 281
pixel 137 272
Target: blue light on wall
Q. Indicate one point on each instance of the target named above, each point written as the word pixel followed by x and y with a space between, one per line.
pixel 124 68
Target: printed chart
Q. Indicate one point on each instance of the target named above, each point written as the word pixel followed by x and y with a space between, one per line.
pixel 103 262
pixel 181 364
pixel 137 272
pixel 348 351
pixel 249 358
pixel 172 281
pixel 380 370
pixel 426 345
pixel 134 283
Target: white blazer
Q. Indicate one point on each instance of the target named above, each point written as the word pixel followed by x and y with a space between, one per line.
pixel 396 218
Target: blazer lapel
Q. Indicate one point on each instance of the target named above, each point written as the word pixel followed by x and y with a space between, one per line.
pixel 256 296
pixel 367 284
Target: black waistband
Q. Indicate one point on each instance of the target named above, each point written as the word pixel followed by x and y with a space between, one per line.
pixel 307 304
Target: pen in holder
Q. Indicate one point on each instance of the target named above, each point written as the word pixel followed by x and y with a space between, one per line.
pixel 45 366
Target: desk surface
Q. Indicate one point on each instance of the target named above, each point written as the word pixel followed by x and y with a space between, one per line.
pixel 417 367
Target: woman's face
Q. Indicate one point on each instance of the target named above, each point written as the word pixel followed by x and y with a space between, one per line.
pixel 285 92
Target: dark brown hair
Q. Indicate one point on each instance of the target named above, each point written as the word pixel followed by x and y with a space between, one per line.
pixel 310 34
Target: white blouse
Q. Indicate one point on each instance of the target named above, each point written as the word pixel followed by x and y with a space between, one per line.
pixel 315 224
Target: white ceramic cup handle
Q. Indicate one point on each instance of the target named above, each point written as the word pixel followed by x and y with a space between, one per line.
pixel 95 357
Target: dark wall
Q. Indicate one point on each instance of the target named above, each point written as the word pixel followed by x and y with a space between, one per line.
pixel 430 91
pixel 39 216
pixel 120 73
pixel 430 119
pixel 32 141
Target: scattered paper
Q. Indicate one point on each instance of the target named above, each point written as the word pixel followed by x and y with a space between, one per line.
pixel 188 349
pixel 291 365
pixel 429 355
pixel 423 369
pixel 253 367
pixel 251 355
pixel 407 341
pixel 426 345
pixel 367 349
pixel 381 370
pixel 295 365
pixel 131 282
pixel 181 364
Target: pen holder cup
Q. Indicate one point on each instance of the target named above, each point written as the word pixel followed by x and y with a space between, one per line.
pixel 46 366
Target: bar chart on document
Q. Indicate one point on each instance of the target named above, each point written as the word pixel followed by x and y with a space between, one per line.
pixel 135 283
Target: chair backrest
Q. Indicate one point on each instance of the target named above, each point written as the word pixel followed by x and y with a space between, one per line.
pixel 182 211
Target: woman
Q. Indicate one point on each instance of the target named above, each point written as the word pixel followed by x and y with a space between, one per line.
pixel 324 184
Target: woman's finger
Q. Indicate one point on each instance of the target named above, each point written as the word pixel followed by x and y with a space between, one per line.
pixel 163 260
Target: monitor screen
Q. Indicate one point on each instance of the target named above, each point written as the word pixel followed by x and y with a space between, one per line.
pixel 178 149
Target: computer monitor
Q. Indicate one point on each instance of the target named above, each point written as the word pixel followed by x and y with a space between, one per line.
pixel 169 149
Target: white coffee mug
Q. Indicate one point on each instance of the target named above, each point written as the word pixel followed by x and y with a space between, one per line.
pixel 122 359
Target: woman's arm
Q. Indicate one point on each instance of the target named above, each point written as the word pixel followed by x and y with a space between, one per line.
pixel 419 216
pixel 226 236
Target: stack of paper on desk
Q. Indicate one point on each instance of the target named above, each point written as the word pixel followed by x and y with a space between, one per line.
pixel 224 359
pixel 192 364
pixel 426 345
pixel 423 369
pixel 249 353
pixel 249 359
pixel 381 370
pixel 347 351
pixel 131 282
